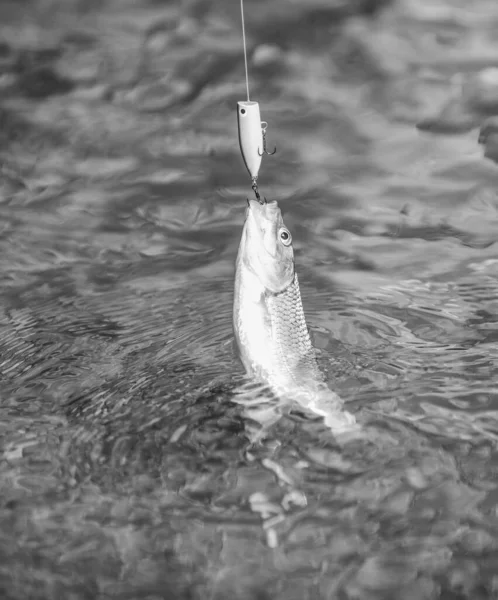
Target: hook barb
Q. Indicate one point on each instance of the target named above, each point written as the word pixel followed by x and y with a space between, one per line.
pixel 264 126
pixel 265 151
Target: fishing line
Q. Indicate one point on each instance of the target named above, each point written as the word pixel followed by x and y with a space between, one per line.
pixel 245 46
pixel 252 130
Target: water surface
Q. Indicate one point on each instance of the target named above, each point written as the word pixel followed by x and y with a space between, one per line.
pixel 130 467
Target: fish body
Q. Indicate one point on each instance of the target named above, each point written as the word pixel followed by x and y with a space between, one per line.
pixel 269 322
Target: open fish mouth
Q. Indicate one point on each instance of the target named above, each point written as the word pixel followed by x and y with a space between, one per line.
pixel 266 208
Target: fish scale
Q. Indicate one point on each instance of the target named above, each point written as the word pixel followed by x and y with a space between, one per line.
pixel 296 355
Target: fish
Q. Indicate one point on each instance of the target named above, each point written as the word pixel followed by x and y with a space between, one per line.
pixel 269 322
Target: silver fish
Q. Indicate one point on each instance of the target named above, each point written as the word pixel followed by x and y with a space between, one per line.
pixel 268 318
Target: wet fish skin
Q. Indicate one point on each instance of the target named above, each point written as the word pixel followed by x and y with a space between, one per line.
pixel 268 317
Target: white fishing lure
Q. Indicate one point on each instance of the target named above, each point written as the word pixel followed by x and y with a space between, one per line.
pixel 250 136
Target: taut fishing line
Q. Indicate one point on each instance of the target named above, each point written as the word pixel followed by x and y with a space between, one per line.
pixel 252 131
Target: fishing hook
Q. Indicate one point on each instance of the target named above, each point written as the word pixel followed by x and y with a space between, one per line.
pixel 264 127
pixel 256 191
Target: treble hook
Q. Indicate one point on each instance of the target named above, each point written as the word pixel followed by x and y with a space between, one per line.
pixel 256 191
pixel 264 127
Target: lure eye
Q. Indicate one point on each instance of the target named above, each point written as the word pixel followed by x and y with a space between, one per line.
pixel 285 236
pixel 242 111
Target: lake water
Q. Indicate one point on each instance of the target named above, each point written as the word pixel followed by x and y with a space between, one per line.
pixel 131 469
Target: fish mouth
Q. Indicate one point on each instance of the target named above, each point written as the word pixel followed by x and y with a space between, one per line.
pixel 265 210
pixel 262 223
pixel 263 217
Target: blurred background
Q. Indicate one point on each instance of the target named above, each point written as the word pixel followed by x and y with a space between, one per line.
pixel 129 470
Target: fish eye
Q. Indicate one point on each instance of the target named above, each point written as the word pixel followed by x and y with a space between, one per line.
pixel 285 236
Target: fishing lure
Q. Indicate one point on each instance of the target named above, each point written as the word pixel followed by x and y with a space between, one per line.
pixel 250 136
pixel 252 131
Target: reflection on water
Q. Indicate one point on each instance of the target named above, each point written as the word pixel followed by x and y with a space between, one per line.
pixel 136 461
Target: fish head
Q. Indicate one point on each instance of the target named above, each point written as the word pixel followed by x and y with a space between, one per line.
pixel 266 246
